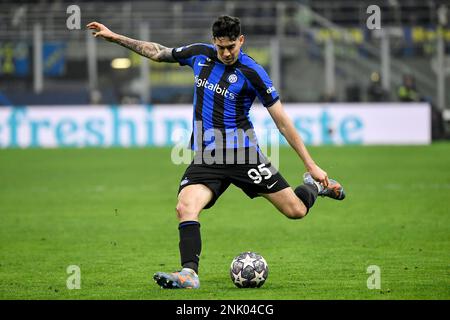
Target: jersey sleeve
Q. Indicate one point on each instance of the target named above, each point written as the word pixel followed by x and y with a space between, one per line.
pixel 262 84
pixel 186 55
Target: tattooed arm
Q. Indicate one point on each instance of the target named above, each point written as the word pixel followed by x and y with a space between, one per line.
pixel 151 50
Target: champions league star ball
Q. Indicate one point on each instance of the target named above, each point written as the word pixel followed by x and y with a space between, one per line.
pixel 249 270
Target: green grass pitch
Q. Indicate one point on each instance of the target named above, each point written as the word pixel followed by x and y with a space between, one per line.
pixel 111 212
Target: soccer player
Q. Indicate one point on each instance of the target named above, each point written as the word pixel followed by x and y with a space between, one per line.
pixel 227 81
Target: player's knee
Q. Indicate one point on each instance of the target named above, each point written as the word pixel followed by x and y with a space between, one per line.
pixel 296 211
pixel 186 211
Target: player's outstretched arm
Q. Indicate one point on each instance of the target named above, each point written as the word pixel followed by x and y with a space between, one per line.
pixel 287 129
pixel 151 50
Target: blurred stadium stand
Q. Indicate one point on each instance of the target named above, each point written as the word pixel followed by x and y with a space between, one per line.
pixel 290 38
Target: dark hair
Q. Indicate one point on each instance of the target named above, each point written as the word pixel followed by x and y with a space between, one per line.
pixel 226 26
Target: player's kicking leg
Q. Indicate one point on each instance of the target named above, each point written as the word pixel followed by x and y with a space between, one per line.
pixel 295 203
pixel 334 189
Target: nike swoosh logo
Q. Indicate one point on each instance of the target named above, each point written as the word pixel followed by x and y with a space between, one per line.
pixel 270 187
pixel 203 65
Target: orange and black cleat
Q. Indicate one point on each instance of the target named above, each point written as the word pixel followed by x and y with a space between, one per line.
pixel 184 279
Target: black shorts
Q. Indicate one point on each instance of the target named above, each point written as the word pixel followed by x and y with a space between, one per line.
pixel 253 177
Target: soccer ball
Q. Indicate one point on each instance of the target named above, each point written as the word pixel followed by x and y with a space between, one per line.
pixel 249 270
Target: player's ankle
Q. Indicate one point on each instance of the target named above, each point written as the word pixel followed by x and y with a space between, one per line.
pixel 190 270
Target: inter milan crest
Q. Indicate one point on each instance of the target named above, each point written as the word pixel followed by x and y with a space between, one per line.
pixel 232 78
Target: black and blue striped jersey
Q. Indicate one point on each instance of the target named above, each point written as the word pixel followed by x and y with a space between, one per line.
pixel 223 95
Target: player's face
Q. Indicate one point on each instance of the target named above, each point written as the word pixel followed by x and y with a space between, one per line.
pixel 228 50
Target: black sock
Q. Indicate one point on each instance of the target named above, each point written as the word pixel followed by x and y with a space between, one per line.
pixel 307 193
pixel 190 244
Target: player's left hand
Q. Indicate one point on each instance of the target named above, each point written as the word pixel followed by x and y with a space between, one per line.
pixel 319 175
